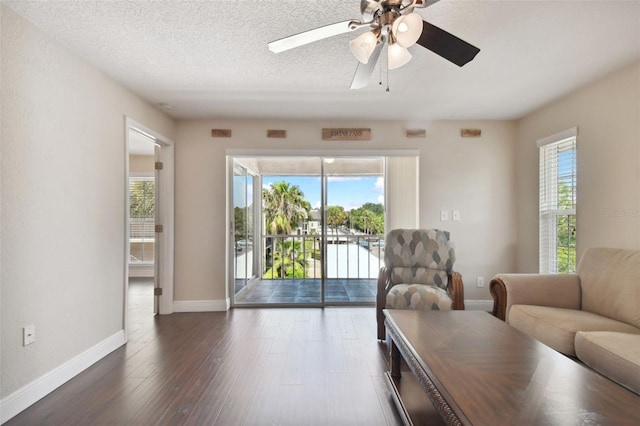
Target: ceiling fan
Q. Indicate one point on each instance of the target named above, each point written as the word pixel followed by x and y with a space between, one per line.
pixel 393 22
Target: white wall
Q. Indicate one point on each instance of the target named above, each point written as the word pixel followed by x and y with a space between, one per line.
pixel 63 202
pixel 473 175
pixel 607 114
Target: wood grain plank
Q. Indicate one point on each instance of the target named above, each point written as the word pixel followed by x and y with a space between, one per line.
pixel 246 366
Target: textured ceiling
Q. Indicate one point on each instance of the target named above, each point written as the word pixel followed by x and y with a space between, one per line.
pixel 210 58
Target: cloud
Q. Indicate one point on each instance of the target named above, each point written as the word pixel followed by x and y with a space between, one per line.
pixel 379 185
pixel 381 199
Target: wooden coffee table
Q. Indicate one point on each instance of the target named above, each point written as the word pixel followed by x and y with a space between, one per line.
pixel 477 370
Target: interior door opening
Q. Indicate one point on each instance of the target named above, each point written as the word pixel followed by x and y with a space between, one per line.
pixel 143 197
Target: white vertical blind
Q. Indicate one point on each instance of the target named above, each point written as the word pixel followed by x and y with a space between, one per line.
pixel 557 206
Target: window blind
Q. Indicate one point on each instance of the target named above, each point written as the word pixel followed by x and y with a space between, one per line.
pixel 141 219
pixel 557 204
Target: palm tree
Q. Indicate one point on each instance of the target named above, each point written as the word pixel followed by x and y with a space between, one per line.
pixel 289 260
pixel 336 216
pixel 284 207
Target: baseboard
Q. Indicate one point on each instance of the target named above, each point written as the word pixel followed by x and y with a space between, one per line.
pixel 478 305
pixel 201 305
pixel 41 387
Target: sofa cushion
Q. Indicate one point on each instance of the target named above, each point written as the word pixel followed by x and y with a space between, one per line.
pixel 615 355
pixel 419 297
pixel 557 327
pixel 610 283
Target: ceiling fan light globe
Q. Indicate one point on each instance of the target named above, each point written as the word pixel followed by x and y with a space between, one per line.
pixel 407 29
pixel 362 46
pixel 397 56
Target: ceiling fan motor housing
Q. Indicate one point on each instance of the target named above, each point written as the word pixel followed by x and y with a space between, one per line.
pixel 384 12
pixel 370 9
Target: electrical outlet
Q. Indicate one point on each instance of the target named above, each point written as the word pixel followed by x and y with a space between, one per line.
pixel 455 215
pixel 444 215
pixel 480 282
pixel 28 335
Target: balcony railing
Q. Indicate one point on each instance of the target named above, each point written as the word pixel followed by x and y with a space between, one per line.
pixel 349 256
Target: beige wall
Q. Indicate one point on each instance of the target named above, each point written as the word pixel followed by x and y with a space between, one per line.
pixel 607 114
pixel 63 201
pixel 142 164
pixel 472 175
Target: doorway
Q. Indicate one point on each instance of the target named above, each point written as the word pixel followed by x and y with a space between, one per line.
pixel 307 230
pixel 142 220
pixel 148 224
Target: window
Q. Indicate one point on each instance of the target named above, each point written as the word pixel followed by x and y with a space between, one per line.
pixel 558 202
pixel 142 215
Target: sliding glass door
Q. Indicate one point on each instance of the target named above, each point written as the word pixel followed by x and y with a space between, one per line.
pixel 355 217
pixel 243 228
pixel 307 230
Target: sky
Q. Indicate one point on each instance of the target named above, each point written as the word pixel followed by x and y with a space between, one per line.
pixel 349 192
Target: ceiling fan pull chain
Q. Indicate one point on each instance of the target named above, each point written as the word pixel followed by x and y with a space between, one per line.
pixel 387 57
pixel 387 90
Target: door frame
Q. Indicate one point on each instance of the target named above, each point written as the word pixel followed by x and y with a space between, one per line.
pixel 164 214
pixel 320 153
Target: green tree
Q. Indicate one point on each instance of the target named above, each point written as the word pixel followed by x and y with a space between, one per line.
pixel 369 218
pixel 142 199
pixel 240 222
pixel 336 216
pixel 566 229
pixel 284 207
pixel 376 208
pixel 289 260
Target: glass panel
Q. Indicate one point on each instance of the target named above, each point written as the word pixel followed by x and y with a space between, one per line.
pixel 241 243
pixel 292 261
pixel 142 220
pixel 286 212
pixel 355 228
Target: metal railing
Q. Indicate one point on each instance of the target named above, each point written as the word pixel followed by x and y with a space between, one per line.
pixel 349 256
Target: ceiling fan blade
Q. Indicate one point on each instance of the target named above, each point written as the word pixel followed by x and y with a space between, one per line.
pixel 364 71
pixel 446 45
pixel 310 36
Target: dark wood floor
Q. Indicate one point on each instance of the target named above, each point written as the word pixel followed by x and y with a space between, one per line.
pixel 244 367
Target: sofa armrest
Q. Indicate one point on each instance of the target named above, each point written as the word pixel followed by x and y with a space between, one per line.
pixel 554 290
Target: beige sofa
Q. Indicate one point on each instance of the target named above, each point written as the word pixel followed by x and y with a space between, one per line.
pixel 593 315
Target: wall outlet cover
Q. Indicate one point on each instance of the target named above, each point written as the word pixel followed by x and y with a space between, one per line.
pixel 28 334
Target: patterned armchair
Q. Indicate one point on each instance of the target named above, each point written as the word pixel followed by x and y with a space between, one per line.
pixel 418 273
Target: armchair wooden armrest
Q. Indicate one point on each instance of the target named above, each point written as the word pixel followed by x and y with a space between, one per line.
pixel 384 284
pixel 456 290
pixel 554 290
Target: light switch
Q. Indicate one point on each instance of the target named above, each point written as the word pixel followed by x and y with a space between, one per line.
pixel 444 215
pixel 455 215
